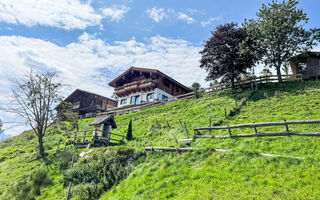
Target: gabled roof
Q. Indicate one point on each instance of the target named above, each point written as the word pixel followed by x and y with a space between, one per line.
pixel 103 119
pixel 306 55
pixel 146 70
pixel 84 91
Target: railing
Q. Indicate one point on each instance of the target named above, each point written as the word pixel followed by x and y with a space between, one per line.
pixel 287 132
pixel 253 82
pixel 92 137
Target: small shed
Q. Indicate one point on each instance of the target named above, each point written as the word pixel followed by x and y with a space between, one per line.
pixel 103 126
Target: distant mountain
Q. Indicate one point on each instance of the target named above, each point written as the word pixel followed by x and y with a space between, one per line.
pixel 4 136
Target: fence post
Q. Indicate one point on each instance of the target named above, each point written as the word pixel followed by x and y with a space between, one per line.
pixel 168 124
pixel 210 131
pixel 229 130
pixel 255 129
pixel 84 138
pixel 287 127
pixel 70 182
pixel 185 126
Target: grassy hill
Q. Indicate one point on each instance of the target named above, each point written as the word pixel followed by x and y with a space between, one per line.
pixel 128 172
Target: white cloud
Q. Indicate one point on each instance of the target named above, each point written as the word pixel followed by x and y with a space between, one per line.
pixel 185 17
pixel 157 14
pixel 66 14
pixel 209 21
pixel 91 63
pixel 116 13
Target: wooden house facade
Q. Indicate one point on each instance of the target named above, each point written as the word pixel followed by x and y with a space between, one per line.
pixel 139 85
pixel 307 64
pixel 87 104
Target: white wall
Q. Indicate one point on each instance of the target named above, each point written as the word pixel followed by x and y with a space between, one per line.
pixel 143 96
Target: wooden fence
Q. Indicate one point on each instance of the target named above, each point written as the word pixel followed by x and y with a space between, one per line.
pixel 248 83
pixel 286 124
pixel 90 137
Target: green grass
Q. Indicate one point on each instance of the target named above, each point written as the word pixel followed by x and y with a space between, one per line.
pixel 239 174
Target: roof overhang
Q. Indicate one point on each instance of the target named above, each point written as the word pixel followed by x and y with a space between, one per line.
pixel 148 70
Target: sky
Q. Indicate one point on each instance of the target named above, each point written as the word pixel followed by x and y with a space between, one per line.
pixel 93 41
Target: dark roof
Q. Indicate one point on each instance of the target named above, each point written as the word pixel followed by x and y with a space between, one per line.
pixel 84 91
pixel 103 119
pixel 147 70
pixel 306 55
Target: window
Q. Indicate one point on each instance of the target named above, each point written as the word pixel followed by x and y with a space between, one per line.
pixel 76 105
pixel 135 99
pixel 150 96
pixel 123 101
pixel 302 66
pixel 177 89
pixel 164 98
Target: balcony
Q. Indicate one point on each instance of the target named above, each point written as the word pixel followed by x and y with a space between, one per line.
pixel 135 86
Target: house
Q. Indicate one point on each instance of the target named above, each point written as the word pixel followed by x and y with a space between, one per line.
pixel 87 104
pixel 307 64
pixel 139 85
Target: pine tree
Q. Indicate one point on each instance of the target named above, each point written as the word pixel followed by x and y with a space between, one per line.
pixel 129 132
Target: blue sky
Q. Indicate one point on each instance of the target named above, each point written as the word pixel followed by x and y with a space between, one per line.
pixel 91 42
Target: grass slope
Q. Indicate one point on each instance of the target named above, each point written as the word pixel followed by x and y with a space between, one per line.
pixel 239 174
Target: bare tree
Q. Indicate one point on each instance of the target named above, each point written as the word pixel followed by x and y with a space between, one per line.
pixel 1 126
pixel 33 101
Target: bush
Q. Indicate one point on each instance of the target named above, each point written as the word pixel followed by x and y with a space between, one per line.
pixel 29 187
pixel 102 170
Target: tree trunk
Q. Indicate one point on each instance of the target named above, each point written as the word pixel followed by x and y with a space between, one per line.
pixel 232 81
pixel 41 149
pixel 279 71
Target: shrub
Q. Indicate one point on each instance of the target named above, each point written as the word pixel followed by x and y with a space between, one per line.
pixel 102 170
pixel 129 132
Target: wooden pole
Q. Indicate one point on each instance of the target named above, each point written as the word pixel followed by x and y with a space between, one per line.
pixel 185 126
pixel 84 136
pixel 315 134
pixel 70 182
pixel 168 124
pixel 210 131
pixel 173 149
pixel 252 125
pixel 180 123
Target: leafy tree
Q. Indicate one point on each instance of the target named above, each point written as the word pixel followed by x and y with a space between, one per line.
pixel 279 32
pixel 215 82
pixel 33 100
pixel 266 72
pixel 66 113
pixel 114 96
pixel 222 56
pixel 195 86
pixel 129 131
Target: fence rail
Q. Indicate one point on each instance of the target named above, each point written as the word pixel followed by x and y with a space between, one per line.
pixel 253 82
pixel 197 133
pixel 93 138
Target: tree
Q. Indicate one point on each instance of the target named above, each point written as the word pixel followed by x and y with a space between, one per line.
pixel 222 56
pixel 266 72
pixel 33 100
pixel 129 131
pixel 195 86
pixel 1 126
pixel 114 96
pixel 66 113
pixel 279 32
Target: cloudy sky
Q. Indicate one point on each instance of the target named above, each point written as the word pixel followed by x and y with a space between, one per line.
pixel 92 41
